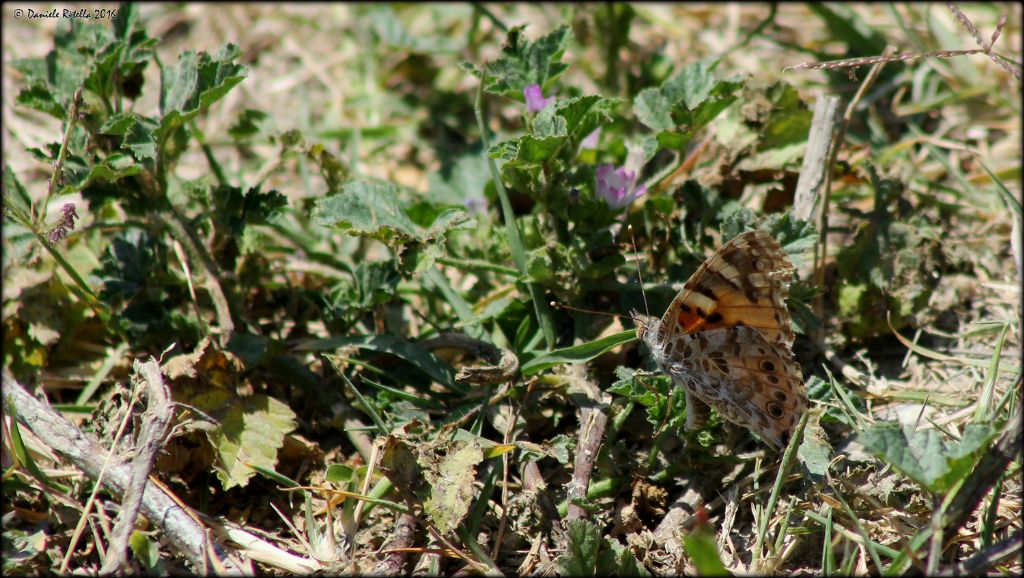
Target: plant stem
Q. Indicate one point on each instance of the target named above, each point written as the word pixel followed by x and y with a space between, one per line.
pixel 84 291
pixel 62 155
pixel 515 242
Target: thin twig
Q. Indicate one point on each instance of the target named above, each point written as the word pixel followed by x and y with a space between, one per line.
pixel 821 247
pixel 108 460
pixel 155 425
pixel 183 532
pixel 397 545
pixel 996 554
pixel 184 232
pixel 593 419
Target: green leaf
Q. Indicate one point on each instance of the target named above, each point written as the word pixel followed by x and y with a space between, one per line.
pixel 113 168
pixel 233 210
pixel 700 546
pixel 815 452
pixel 100 80
pixel 250 433
pixel 130 264
pixel 369 209
pixel 249 124
pixel 684 104
pixel 568 120
pixel 589 553
pixel 145 549
pixel 338 473
pixel 421 358
pixel 619 560
pixel 577 353
pixel 580 115
pixel 372 283
pixel 194 84
pixel 583 540
pixel 40 97
pixel 657 393
pixel 17 203
pixel 438 474
pixel 924 455
pixel 524 62
pixel 139 133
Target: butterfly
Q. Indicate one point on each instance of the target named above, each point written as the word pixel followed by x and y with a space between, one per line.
pixel 726 340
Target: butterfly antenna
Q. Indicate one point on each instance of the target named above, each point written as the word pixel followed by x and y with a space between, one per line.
pixel 640 277
pixel 558 305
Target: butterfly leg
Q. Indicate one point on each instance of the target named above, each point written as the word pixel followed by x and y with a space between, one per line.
pixel 697 412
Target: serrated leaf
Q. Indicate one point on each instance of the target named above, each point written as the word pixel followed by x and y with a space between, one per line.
pixel 369 210
pixel 250 432
pixel 138 132
pixel 684 104
pixel 524 62
pixel 580 116
pixel 655 394
pixel 618 560
pixel 652 107
pixel 17 202
pixel 194 84
pixel 101 77
pixel 583 540
pixel 815 452
pixel 924 455
pixel 39 97
pixel 128 265
pixel 577 353
pixel 373 210
pixel 233 210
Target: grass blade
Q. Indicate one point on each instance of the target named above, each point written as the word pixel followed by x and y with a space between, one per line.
pixel 515 242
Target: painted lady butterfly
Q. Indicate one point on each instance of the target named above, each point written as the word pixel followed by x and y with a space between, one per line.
pixel 726 340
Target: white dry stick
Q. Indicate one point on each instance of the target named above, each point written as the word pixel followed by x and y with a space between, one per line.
pixel 155 425
pixel 184 533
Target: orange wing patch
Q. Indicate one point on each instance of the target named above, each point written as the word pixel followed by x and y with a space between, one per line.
pixel 744 283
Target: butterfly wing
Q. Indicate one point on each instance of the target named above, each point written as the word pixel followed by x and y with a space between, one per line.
pixel 745 283
pixel 749 380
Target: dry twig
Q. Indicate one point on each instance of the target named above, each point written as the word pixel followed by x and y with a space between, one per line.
pixel 183 532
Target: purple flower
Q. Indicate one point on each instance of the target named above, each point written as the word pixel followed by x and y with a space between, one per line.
pixel 617 186
pixel 476 205
pixel 535 101
pixel 591 140
pixel 67 223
